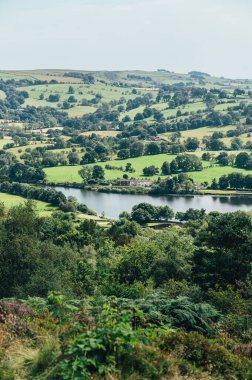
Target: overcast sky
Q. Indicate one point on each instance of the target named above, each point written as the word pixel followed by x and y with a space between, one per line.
pixel 179 35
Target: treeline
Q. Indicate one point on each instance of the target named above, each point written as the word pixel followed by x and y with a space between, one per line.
pixel 44 194
pixel 179 184
pixel 236 181
pixel 12 170
pixel 86 78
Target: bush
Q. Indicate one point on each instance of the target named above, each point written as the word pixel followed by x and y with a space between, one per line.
pixel 207 354
pixel 100 349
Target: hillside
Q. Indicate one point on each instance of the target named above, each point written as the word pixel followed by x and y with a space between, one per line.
pixel 60 120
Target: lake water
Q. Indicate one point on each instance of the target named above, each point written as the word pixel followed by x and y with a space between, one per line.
pixel 113 204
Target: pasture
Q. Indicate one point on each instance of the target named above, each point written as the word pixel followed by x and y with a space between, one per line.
pixel 101 133
pixel 43 75
pixel 62 174
pixel 18 150
pixel 81 91
pixel 4 141
pixel 200 132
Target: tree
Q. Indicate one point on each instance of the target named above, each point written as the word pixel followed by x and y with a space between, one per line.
pixel 174 166
pixel 123 230
pixel 174 260
pixel 141 216
pixel 236 180
pixel 71 90
pixel 242 160
pixel 166 168
pixel 98 172
pixel 214 184
pixel 192 143
pixel 152 148
pixel 215 144
pixel 138 116
pixel 136 149
pixel 236 143
pixel 66 106
pixel 223 159
pixel 123 154
pixel 206 156
pixel 53 98
pixel 129 168
pixel 224 250
pixel 86 173
pixel 136 262
pixel 72 99
pixel 186 163
pixel 238 91
pixel 73 158
pixel 164 213
pixel 191 214
pixel 223 182
pixel 126 119
pixel 150 171
pixel 88 158
pixel 211 101
pixel 143 213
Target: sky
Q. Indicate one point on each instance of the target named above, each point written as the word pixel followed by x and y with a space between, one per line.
pixel 213 36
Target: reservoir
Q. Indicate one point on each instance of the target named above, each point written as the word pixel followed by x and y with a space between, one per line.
pixel 111 205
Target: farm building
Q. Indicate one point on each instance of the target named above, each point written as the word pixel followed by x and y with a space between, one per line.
pixel 135 182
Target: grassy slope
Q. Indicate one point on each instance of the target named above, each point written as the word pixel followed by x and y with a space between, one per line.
pixel 201 132
pixel 82 91
pixel 14 200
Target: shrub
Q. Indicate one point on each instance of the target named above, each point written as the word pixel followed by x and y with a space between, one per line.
pixel 206 354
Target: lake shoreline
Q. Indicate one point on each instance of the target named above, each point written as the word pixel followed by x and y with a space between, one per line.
pixel 111 205
pixel 147 191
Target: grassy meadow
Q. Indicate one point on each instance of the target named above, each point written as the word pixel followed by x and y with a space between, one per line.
pixel 101 133
pixel 70 173
pixel 13 200
pixel 81 91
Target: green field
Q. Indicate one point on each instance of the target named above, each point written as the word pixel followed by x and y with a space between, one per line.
pixel 4 142
pixel 200 132
pixel 62 174
pixel 168 112
pixel 208 174
pixel 101 133
pixel 82 91
pixel 70 173
pixel 13 200
pixel 23 148
pixel 79 111
pixel 43 75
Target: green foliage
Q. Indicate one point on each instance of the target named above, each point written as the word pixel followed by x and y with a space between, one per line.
pixel 6 372
pixel 224 253
pixel 46 357
pixel 206 354
pixel 190 278
pixel 100 349
pixel 180 312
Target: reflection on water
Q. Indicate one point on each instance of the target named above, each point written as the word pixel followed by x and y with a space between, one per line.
pixel 113 204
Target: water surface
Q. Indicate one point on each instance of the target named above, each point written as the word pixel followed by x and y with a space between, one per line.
pixel 113 204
